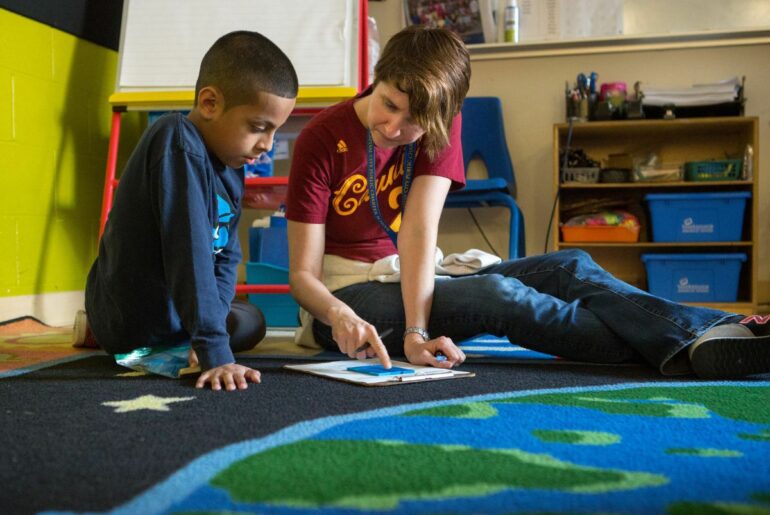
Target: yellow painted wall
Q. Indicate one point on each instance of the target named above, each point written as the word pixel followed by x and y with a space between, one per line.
pixel 54 130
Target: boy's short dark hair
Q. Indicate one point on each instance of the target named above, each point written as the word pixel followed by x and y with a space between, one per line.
pixel 243 63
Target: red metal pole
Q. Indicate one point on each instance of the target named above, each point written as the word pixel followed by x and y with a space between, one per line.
pixel 110 182
pixel 363 45
pixel 261 288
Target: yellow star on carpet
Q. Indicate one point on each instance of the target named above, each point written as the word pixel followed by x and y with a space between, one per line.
pixel 148 402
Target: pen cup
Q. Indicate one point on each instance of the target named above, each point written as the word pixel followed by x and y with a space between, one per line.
pixel 577 108
pixel 573 107
pixel 583 109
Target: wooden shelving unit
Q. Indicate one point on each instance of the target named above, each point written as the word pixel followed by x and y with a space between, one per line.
pixel 675 142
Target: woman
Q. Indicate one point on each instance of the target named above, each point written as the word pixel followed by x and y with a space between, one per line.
pixel 367 186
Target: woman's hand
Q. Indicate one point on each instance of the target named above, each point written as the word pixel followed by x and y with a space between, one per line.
pixel 351 332
pixel 420 352
pixel 232 376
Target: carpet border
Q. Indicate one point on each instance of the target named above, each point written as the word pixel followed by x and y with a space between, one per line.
pixel 21 319
pixel 46 364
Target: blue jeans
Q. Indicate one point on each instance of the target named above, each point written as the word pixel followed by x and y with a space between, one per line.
pixel 561 303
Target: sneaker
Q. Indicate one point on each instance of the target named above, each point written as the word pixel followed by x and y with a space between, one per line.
pixel 82 336
pixel 757 324
pixel 731 351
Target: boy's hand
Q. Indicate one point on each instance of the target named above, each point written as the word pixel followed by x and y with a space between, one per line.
pixel 192 358
pixel 232 376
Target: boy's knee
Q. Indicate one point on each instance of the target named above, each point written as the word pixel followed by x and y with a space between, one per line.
pixel 246 326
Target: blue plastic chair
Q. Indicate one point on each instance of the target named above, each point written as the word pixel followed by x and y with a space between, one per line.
pixel 483 136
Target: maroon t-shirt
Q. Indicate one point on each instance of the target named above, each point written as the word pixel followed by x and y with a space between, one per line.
pixel 328 182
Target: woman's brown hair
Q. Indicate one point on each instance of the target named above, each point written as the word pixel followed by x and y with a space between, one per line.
pixel 432 66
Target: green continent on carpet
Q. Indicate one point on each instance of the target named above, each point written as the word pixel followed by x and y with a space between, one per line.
pixel 381 474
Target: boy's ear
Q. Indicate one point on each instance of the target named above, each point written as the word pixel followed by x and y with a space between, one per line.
pixel 210 101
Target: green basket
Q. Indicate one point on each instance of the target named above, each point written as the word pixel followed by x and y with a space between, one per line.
pixel 724 170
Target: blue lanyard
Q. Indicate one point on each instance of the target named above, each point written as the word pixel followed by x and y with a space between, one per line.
pixel 372 183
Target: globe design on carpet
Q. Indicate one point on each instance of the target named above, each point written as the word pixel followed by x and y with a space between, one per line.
pixel 583 450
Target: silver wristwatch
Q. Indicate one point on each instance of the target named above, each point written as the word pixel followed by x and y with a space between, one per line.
pixel 417 330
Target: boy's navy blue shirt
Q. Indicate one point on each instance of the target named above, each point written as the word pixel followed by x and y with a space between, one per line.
pixel 167 263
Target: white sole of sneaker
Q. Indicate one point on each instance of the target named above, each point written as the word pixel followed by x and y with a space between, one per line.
pixel 79 329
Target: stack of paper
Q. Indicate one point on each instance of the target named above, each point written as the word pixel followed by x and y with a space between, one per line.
pixel 697 95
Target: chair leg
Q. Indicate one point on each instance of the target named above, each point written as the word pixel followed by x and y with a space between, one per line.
pixel 516 242
pixel 521 236
pixel 513 233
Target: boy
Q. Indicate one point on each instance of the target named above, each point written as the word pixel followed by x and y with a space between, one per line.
pixel 167 263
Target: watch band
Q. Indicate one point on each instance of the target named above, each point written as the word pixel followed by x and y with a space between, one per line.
pixel 417 330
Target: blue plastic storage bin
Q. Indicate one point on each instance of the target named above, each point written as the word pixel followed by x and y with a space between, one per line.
pixel 694 277
pixel 697 216
pixel 270 244
pixel 279 309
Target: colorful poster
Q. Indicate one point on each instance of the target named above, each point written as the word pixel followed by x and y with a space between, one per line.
pixel 468 18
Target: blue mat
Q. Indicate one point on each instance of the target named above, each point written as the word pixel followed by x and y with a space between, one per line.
pixel 487 347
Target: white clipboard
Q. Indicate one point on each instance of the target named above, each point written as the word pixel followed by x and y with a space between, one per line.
pixel 338 370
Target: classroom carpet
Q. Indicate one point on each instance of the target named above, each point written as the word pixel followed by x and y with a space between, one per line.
pixel 85 435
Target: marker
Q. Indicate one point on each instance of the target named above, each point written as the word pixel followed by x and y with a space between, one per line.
pixel 366 345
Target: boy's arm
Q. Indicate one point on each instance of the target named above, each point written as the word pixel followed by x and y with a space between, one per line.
pixel 193 278
pixel 226 266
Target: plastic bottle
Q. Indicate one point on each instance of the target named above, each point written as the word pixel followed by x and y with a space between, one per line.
pixel 747 172
pixel 511 22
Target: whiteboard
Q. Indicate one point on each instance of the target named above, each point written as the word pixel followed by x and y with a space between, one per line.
pixel 162 42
